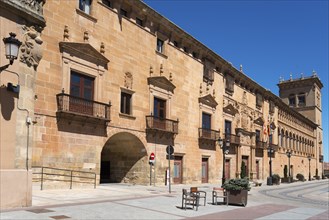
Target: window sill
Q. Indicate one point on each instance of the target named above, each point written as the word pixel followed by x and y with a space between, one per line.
pixel 161 54
pixel 122 115
pixel 83 14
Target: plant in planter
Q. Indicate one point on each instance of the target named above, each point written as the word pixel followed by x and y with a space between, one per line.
pixel 276 179
pixel 237 190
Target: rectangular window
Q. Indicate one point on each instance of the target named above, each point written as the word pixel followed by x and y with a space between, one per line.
pixel 257 135
pixel 159 108
pixel 139 21
pixel 292 100
pixel 301 100
pixel 271 139
pixel 206 121
pixel 84 5
pixel 107 3
pixel 228 127
pixel 81 86
pixel 125 106
pixel 160 45
pixel 123 12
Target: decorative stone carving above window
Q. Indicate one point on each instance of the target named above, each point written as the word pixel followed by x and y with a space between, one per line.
pixel 128 83
pixel 161 82
pixel 208 100
pixel 229 109
pixel 84 51
pixel 259 100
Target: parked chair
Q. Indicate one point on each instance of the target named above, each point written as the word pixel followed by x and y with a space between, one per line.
pixel 200 194
pixel 219 193
pixel 189 199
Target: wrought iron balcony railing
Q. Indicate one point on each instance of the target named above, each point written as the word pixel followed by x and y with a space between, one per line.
pixel 209 134
pixel 83 107
pixel 275 147
pixel 162 124
pixel 234 139
pixel 261 145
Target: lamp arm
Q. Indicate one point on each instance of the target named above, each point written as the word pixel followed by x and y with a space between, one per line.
pixel 4 67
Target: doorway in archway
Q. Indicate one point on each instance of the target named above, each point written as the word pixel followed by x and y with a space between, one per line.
pixel 124 160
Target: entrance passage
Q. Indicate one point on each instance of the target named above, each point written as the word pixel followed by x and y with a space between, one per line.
pixel 124 160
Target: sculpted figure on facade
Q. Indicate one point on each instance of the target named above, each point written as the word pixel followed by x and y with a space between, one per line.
pixel 128 83
pixel 33 5
pixel 31 47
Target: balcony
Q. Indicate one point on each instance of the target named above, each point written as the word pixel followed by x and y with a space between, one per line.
pixel 161 124
pixel 82 109
pixel 234 139
pixel 261 145
pixel 275 147
pixel 208 134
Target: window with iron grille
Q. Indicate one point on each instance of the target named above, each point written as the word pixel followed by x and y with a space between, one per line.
pixel 85 5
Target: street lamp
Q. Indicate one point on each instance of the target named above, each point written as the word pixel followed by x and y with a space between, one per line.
pixel 309 168
pixel 270 150
pixel 224 145
pixel 11 49
pixel 289 155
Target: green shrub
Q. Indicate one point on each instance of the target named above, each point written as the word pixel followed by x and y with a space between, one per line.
pixel 275 178
pixel 237 184
pixel 300 177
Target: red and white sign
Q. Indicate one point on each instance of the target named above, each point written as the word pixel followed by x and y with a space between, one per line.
pixel 152 157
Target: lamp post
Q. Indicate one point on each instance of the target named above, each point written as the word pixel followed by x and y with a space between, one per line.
pixel 224 145
pixel 11 49
pixel 288 155
pixel 270 150
pixel 309 168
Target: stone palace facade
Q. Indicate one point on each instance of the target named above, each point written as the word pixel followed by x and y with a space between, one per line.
pixel 105 83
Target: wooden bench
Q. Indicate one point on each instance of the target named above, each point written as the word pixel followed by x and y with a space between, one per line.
pixel 219 193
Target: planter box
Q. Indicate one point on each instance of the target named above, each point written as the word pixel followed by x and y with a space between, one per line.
pixel 238 197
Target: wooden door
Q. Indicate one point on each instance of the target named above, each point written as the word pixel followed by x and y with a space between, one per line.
pixel 177 174
pixel 246 162
pixel 257 169
pixel 227 169
pixel 204 169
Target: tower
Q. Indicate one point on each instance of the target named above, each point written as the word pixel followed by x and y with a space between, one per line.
pixel 304 96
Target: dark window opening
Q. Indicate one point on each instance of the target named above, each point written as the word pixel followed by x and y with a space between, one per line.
pixel 257 135
pixel 125 106
pixel 301 99
pixel 123 12
pixel 292 100
pixel 107 3
pixel 175 44
pixel 206 121
pixel 159 108
pixel 139 21
pixel 228 127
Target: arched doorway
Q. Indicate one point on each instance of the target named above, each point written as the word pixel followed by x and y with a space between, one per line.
pixel 124 160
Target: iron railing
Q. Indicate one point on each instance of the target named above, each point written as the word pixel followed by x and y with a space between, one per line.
pixel 209 134
pixel 234 139
pixel 261 145
pixel 162 124
pixel 64 175
pixel 85 107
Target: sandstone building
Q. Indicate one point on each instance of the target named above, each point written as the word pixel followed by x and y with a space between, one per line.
pixel 118 81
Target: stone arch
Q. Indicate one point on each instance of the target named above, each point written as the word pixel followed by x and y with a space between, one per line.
pixel 124 158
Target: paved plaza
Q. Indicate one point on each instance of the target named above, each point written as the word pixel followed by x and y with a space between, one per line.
pixel 300 200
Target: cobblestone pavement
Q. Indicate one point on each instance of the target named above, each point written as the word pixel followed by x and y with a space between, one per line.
pixel 301 200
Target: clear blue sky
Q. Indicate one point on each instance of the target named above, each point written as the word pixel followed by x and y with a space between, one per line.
pixel 269 38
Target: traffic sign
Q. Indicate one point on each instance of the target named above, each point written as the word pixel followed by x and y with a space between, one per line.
pixel 152 158
pixel 170 149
